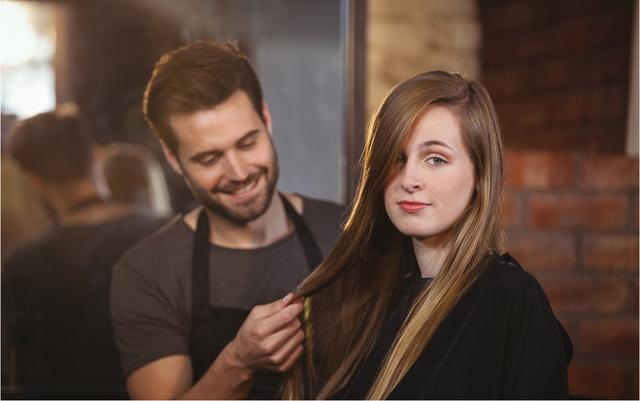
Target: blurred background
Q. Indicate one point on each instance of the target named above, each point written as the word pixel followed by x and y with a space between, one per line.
pixel 563 76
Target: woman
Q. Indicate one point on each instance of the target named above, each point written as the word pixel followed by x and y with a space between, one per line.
pixel 416 300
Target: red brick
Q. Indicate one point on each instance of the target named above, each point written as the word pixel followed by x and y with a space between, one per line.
pixel 512 210
pixel 543 251
pixel 532 114
pixel 571 294
pixel 634 297
pixel 573 32
pixel 596 102
pixel 609 172
pixel 591 71
pixel 512 15
pixel 617 94
pixel 608 337
pixel 577 50
pixel 571 109
pixel 539 170
pixel 610 252
pixel 634 206
pixel 597 380
pixel 574 211
pixel 532 48
pixel 555 73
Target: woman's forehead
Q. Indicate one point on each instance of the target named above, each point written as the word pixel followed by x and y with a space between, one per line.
pixel 435 125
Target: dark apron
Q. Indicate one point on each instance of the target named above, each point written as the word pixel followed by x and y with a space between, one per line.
pixel 213 328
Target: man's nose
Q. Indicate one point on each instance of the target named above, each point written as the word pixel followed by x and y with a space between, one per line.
pixel 235 167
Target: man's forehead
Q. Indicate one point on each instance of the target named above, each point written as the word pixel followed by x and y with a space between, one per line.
pixel 215 128
pixel 236 108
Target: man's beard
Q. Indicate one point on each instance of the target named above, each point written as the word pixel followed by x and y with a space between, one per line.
pixel 244 212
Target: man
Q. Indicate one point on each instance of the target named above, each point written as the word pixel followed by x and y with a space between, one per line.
pixel 192 305
pixel 55 290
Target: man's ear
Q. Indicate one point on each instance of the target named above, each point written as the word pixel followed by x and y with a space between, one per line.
pixel 171 158
pixel 266 114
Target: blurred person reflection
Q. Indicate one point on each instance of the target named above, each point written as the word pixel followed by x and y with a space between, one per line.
pixel 57 334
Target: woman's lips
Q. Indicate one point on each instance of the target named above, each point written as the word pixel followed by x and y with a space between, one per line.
pixel 412 207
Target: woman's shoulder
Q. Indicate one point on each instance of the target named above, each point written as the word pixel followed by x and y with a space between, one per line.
pixel 502 274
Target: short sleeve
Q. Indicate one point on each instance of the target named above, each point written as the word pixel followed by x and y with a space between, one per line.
pixel 146 325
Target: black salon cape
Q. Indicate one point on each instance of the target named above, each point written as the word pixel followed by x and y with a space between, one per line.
pixel 501 340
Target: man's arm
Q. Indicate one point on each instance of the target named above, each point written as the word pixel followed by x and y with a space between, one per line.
pixel 269 339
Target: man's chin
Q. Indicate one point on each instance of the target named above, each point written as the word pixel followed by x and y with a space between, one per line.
pixel 243 212
pixel 236 216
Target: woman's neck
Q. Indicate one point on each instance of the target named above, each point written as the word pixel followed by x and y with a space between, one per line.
pixel 431 253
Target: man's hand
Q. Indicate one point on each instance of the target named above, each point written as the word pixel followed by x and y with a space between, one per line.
pixel 270 338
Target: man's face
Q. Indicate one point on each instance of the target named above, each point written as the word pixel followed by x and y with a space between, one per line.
pixel 227 158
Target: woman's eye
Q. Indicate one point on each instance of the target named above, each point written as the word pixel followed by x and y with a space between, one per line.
pixel 436 161
pixel 400 159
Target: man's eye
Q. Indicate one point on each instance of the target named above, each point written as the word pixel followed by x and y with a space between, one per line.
pixel 208 161
pixel 436 161
pixel 247 144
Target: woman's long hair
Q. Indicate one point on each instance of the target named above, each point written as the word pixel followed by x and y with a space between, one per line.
pixel 349 293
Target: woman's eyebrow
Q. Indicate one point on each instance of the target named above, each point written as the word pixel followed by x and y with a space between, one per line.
pixel 435 142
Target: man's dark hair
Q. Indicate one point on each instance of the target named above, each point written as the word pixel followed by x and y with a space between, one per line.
pixel 197 77
pixel 55 146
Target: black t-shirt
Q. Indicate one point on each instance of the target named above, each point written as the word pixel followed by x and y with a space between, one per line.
pixel 501 340
pixel 151 290
pixel 55 308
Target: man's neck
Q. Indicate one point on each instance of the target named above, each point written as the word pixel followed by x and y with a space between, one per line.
pixel 272 226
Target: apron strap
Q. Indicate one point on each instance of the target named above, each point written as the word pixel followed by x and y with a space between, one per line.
pixel 200 262
pixel 309 244
pixel 201 247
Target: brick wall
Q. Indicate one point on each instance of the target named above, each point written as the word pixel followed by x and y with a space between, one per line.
pixel 558 74
pixel 405 38
pixel 572 221
pixel 558 71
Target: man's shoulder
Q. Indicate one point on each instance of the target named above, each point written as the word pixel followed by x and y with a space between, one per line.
pixel 325 219
pixel 323 209
pixel 160 247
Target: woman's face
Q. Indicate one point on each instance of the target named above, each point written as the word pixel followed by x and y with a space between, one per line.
pixel 434 177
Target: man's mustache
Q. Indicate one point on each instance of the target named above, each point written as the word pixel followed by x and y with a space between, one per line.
pixel 236 185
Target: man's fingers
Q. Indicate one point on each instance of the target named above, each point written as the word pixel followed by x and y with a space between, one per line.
pixel 280 319
pixel 262 311
pixel 282 354
pixel 293 357
pixel 275 341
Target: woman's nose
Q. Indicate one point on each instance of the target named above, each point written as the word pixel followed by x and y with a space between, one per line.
pixel 409 181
